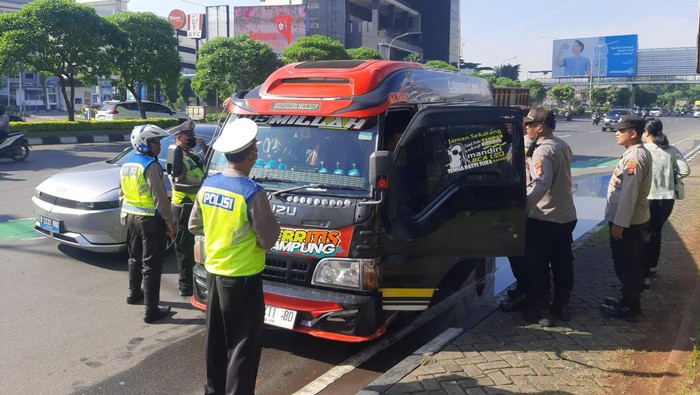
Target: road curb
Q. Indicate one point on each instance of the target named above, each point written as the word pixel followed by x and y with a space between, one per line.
pixel 410 363
pixel 105 138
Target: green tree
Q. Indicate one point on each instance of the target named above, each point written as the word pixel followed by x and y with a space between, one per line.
pixel 599 96
pixel 537 90
pixel 144 52
pixel 644 98
pixel 184 90
pixel 440 65
pixel 229 64
pixel 364 53
pixel 55 38
pixel 413 57
pixel 508 71
pixel 505 82
pixel 316 47
pixel 562 94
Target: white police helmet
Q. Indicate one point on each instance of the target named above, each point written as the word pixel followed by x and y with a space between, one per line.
pixel 236 136
pixel 142 133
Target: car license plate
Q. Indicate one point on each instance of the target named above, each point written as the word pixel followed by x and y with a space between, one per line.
pixel 277 316
pixel 50 224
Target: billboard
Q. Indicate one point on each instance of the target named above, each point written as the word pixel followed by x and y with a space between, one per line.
pixel 609 56
pixel 278 26
pixel 195 23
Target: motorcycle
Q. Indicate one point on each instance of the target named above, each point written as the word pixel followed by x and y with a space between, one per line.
pixel 15 147
pixel 568 116
pixel 596 119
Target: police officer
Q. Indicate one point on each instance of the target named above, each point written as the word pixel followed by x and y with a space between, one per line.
pixel 233 212
pixel 148 219
pixel 551 219
pixel 627 213
pixel 186 177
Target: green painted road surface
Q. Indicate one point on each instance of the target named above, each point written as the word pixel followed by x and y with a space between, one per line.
pixel 18 229
pixel 594 163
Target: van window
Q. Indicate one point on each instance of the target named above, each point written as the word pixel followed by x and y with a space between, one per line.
pixel 468 154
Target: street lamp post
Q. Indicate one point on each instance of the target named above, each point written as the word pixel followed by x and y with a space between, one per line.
pixel 399 36
pixel 506 61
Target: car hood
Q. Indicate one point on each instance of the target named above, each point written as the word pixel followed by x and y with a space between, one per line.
pixel 94 182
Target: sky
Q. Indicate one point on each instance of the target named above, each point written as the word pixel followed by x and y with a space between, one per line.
pixel 522 32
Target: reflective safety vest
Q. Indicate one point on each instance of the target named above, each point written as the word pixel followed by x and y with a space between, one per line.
pixel 229 244
pixel 137 195
pixel 193 176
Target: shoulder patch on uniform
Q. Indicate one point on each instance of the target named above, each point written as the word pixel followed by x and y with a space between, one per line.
pixel 538 167
pixel 631 168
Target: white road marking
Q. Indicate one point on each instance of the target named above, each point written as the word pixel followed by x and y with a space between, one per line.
pixel 596 131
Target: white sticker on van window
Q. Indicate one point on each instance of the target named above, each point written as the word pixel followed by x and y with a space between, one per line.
pixel 365 136
pixel 475 150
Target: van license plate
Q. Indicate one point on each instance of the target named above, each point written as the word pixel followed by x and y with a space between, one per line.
pixel 50 224
pixel 277 316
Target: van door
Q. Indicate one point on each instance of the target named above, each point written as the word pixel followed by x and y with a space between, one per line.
pixel 457 186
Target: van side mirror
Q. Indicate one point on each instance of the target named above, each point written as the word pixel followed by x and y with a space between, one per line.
pixel 379 163
pixel 173 162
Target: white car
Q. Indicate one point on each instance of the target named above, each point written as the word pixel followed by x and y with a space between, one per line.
pixel 129 109
pixel 655 112
pixel 696 112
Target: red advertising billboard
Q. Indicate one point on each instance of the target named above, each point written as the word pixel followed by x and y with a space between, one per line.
pixel 177 19
pixel 278 26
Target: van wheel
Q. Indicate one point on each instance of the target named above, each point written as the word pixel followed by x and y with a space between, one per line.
pixel 603 128
pixel 456 278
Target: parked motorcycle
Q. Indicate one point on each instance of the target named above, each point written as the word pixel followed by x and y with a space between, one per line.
pixel 596 119
pixel 15 147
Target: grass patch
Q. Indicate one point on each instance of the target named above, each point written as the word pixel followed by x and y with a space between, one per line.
pixel 600 236
pixel 692 370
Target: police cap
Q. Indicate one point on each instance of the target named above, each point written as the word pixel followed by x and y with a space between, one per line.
pixel 236 136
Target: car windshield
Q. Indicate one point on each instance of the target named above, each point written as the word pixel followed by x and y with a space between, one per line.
pixel 294 156
pixel 617 113
pixel 129 152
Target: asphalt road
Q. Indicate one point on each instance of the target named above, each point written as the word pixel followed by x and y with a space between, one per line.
pixel 66 329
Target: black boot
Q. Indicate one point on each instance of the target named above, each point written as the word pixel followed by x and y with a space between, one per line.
pixel 153 312
pixel 560 306
pixel 135 294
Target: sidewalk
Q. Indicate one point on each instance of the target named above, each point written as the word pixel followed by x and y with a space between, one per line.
pixel 591 354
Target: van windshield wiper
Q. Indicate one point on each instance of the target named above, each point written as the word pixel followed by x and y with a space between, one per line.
pixel 327 186
pixel 281 191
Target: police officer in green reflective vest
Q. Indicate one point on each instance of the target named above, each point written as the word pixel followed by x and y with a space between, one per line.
pixel 146 209
pixel 185 178
pixel 234 215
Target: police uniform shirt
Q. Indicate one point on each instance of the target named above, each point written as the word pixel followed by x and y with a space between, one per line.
pixel 549 196
pixel 629 187
pixel 264 224
pixel 154 179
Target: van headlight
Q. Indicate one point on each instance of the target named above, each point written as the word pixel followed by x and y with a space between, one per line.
pixel 358 274
pixel 199 255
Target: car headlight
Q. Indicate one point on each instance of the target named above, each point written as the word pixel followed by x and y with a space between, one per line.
pixel 97 205
pixel 358 274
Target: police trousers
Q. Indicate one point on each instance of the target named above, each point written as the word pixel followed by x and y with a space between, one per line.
pixel 659 211
pixel 548 246
pixel 146 241
pixel 234 333
pixel 629 263
pixel 184 245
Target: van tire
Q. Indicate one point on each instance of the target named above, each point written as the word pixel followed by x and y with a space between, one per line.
pixel 454 280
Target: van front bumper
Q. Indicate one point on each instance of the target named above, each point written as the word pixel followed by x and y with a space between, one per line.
pixel 322 313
